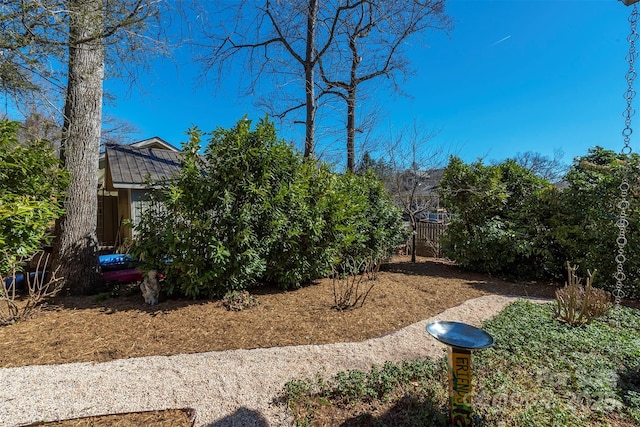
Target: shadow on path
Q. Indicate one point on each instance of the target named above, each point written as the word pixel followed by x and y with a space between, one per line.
pixel 243 417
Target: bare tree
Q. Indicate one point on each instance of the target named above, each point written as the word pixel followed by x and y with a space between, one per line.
pixel 39 125
pixel 551 169
pixel 417 167
pixel 116 130
pixel 369 43
pixel 282 41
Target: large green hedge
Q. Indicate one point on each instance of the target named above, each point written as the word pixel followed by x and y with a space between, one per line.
pixel 497 228
pixel 31 192
pixel 253 211
pixel 512 223
pixel 585 224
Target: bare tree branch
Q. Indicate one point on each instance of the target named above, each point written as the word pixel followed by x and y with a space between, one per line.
pixel 373 35
pixel 292 37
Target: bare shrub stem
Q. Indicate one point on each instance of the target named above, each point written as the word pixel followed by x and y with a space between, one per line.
pixel 352 281
pixel 38 289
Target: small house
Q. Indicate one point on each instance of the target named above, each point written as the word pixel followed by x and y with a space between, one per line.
pixel 125 172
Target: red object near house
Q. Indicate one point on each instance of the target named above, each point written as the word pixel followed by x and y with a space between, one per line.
pixel 122 276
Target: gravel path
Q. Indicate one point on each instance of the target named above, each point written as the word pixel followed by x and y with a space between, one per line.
pixel 227 388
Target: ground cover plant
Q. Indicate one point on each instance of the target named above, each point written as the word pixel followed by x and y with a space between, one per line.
pixel 589 376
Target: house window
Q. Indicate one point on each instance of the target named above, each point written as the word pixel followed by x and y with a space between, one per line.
pixel 138 205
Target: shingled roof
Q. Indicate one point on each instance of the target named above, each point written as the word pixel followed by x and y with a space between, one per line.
pixel 131 167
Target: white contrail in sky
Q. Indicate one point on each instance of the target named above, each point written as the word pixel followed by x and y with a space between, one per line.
pixel 501 40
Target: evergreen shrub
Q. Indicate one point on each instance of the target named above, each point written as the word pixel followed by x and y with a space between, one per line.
pixel 510 222
pixel 32 184
pixel 252 211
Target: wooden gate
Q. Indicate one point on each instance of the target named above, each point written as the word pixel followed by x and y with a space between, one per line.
pixel 428 238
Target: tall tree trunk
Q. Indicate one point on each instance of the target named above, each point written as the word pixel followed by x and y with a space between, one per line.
pixel 309 66
pixel 352 89
pixel 76 244
pixel 414 241
pixel 351 129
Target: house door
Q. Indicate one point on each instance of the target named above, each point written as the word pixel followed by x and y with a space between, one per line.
pixel 107 226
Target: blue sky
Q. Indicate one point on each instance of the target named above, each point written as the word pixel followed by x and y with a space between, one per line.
pixel 513 76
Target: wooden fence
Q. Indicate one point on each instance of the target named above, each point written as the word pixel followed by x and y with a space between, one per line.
pixel 428 238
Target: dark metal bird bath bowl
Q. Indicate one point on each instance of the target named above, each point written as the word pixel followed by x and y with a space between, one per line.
pixel 460 339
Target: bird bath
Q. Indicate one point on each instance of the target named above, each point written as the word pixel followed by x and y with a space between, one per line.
pixel 461 339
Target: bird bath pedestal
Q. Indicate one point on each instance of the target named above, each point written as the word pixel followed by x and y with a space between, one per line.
pixel 461 339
